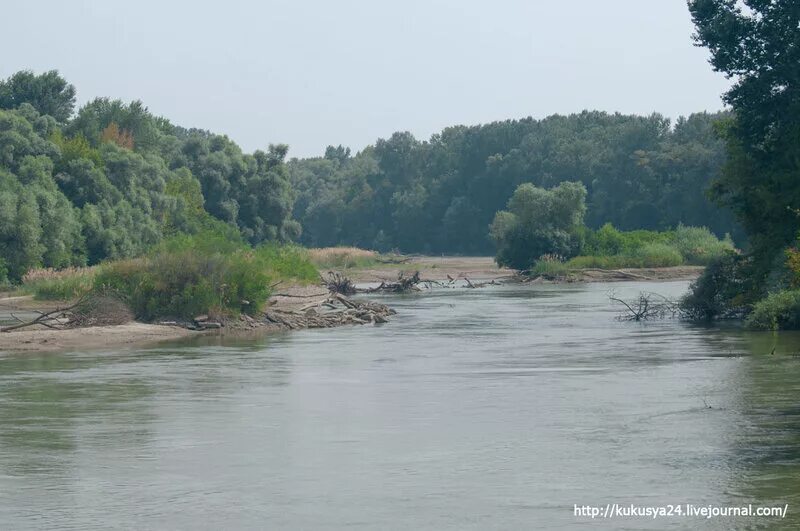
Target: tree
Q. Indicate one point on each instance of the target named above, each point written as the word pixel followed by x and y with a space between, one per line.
pixel 757 43
pixel 48 93
pixel 539 222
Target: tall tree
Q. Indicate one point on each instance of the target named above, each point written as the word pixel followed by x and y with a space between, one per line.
pixel 49 93
pixel 757 44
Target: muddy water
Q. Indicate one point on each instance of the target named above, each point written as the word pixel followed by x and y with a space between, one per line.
pixel 498 408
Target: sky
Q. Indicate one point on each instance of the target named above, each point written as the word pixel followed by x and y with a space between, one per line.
pixel 311 73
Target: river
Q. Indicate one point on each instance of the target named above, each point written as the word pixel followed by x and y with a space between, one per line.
pixel 494 408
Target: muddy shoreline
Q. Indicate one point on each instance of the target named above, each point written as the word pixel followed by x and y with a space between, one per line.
pixel 288 308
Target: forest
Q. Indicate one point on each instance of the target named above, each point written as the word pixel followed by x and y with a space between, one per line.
pixel 441 195
pixel 111 180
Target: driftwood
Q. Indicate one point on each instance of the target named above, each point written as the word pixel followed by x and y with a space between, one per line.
pixel 338 283
pixel 474 285
pixel 336 310
pixel 404 284
pixel 393 260
pixel 91 309
pixel 617 273
pixel 647 306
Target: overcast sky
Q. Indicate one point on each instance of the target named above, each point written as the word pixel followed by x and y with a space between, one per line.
pixel 315 72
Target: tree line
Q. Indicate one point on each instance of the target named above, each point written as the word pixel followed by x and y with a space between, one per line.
pixel 441 195
pixel 111 180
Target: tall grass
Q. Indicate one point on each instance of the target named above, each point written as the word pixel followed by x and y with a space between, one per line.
pixel 550 266
pixel 342 257
pixel 61 285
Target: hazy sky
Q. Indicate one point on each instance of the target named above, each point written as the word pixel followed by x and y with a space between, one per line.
pixel 316 72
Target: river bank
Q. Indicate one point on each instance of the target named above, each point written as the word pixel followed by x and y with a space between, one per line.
pixel 295 307
pixel 484 268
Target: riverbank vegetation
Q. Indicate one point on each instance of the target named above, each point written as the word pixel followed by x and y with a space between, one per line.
pixel 542 231
pixel 757 46
pixel 184 276
pixel 111 180
pixel 438 196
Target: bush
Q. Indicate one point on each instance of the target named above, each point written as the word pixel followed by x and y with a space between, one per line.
pixel 778 311
pixel 188 283
pixel 608 241
pixel 699 246
pixel 549 266
pixel 287 262
pixel 657 255
pixel 724 290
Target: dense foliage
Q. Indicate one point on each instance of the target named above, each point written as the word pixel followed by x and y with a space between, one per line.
pixel 539 222
pixel 114 180
pixel 757 43
pixel 609 248
pixel 183 276
pixel 441 195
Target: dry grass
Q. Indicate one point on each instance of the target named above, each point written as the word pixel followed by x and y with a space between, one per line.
pixel 62 284
pixel 47 273
pixel 342 257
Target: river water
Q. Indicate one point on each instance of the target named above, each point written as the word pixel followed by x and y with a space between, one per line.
pixel 496 408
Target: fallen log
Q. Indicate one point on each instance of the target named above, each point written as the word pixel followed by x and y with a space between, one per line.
pixel 404 284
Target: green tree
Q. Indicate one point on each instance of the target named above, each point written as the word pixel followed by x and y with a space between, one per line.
pixel 757 44
pixel 538 222
pixel 48 93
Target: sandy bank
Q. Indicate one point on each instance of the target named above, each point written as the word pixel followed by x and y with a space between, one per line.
pixel 290 299
pixel 88 338
pixel 484 268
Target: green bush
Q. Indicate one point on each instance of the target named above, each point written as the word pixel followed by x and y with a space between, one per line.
pixel 778 311
pixel 287 262
pixel 187 283
pixel 549 267
pixel 61 288
pixel 724 290
pixel 699 246
pixel 657 255
pixel 608 241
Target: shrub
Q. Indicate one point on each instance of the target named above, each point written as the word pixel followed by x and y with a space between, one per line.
pixel 549 266
pixel 778 311
pixel 699 246
pixel 187 283
pixel 724 290
pixel 608 241
pixel 287 262
pixel 657 255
